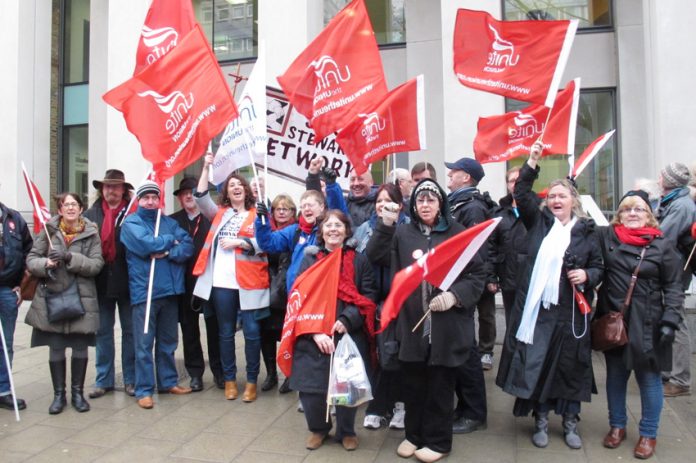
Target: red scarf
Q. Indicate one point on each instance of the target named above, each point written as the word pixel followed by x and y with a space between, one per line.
pixel 108 237
pixel 636 236
pixel 348 293
pixel 305 226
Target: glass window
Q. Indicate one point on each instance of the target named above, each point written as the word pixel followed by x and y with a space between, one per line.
pixel 76 41
pixel 387 17
pixel 233 23
pixel 590 13
pixel 596 116
pixel 75 104
pixel 74 165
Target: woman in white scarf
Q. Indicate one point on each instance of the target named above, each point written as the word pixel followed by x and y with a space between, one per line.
pixel 546 360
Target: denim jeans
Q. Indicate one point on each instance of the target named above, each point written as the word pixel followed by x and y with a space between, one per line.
pixel 163 335
pixel 8 316
pixel 225 302
pixel 650 386
pixel 105 341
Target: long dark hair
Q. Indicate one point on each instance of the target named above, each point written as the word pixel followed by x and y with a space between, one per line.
pixel 248 194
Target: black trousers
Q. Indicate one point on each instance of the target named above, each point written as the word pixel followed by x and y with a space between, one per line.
pixel 427 395
pixel 508 302
pixel 386 390
pixel 471 389
pixel 486 318
pixel 314 406
pixel 191 339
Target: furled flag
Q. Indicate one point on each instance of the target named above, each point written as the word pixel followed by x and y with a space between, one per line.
pixel 311 306
pixel 166 23
pixel 246 137
pixel 500 138
pixel 518 59
pixel 339 74
pixel 41 212
pixel 396 124
pixel 589 153
pixel 176 105
pixel 439 267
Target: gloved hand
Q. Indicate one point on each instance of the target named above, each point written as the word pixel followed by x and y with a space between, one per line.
pixel 443 301
pixel 666 335
pixel 58 255
pixel 329 175
pixel 261 210
pixel 693 230
pixel 390 214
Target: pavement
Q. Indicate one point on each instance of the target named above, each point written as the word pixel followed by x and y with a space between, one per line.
pixel 204 426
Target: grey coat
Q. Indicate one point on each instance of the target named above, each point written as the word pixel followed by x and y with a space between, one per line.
pixel 85 264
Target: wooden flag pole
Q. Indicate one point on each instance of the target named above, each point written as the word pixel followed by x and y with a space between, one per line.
pixel 421 321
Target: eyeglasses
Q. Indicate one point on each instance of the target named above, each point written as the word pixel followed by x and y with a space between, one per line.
pixel 635 210
pixel 282 209
pixel 75 205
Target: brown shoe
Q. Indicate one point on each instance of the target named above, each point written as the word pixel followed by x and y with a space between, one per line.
pixel 315 440
pixel 674 390
pixel 179 390
pixel 614 438
pixel 350 443
pixel 249 393
pixel 644 448
pixel 146 402
pixel 231 391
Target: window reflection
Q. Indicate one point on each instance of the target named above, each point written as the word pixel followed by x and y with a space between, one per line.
pixel 387 17
pixel 589 13
pixel 232 25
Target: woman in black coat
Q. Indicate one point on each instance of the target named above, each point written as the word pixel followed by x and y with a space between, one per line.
pixel 653 314
pixel 547 358
pixel 430 355
pixel 355 309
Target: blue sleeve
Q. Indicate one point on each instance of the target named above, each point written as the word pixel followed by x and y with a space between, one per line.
pixel 181 252
pixel 141 242
pixel 334 198
pixel 274 241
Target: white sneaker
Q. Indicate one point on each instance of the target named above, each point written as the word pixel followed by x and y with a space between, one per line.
pixel 299 406
pixel 397 421
pixel 487 361
pixel 372 422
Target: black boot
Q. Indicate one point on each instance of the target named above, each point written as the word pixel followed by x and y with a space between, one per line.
pixel 78 370
pixel 58 378
pixel 268 350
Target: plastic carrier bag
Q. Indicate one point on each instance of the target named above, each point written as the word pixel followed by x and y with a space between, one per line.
pixel 348 382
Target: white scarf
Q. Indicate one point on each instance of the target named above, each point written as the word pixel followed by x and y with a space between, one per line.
pixel 546 277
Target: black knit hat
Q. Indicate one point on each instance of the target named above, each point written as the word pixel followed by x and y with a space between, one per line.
pixel 641 194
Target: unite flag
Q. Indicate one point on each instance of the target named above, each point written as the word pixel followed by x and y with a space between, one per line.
pixel 41 212
pixel 339 74
pixel 517 59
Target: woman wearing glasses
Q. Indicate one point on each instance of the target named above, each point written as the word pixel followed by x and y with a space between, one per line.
pixel 652 316
pixel 73 257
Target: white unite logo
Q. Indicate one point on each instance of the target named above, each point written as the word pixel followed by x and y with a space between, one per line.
pixel 525 126
pixel 372 125
pixel 176 105
pixel 294 304
pixel 502 53
pixel 159 41
pixel 328 73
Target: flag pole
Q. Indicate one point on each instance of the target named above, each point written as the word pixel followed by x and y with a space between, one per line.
pixel 328 402
pixel 690 256
pixel 148 302
pixel 9 371
pixel 35 203
pixel 421 321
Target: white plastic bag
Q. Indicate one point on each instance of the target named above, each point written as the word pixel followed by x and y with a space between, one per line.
pixel 348 382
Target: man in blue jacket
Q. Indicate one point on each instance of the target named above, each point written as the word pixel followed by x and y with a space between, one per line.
pixel 170 250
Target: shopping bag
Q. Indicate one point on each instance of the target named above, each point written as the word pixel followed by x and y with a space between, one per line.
pixel 348 382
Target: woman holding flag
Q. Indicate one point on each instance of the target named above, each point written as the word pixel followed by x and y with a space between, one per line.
pixel 546 360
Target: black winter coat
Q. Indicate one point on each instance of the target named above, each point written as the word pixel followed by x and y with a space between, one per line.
pixel 15 244
pixel 657 298
pixel 558 365
pixel 198 230
pixel 508 245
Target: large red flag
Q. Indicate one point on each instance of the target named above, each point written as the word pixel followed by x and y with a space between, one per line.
pixel 500 138
pixel 41 212
pixel 394 125
pixel 439 267
pixel 167 21
pixel 518 59
pixel 176 105
pixel 339 74
pixel 311 306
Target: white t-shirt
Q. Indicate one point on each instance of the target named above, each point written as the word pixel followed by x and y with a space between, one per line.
pixel 224 268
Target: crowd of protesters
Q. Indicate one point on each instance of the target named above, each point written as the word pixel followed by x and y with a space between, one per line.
pixel 234 260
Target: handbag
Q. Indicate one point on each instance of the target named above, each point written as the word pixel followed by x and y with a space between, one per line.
pixel 27 288
pixel 609 331
pixel 64 305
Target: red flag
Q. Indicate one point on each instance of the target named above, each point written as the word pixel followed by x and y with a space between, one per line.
pixel 41 212
pixel 394 125
pixel 500 138
pixel 590 152
pixel 518 59
pixel 311 306
pixel 439 267
pixel 339 74
pixel 176 105
pixel 167 21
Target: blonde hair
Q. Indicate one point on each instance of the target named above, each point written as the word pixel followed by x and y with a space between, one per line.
pixel 633 201
pixel 577 209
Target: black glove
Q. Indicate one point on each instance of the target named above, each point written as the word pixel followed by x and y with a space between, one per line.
pixel 329 175
pixel 56 255
pixel 261 210
pixel 666 335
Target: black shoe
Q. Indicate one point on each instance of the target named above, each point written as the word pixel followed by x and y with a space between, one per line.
pixel 270 382
pixel 196 384
pixel 467 425
pixel 129 389
pixel 7 402
pixel 219 382
pixel 285 387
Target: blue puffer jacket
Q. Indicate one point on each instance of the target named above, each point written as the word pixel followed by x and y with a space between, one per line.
pixel 138 236
pixel 283 240
pixel 15 245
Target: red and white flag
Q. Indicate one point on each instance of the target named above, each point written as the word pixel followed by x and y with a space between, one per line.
pixel 166 23
pixel 311 306
pixel 395 125
pixel 439 267
pixel 339 74
pixel 518 59
pixel 589 153
pixel 41 212
pixel 504 137
pixel 176 105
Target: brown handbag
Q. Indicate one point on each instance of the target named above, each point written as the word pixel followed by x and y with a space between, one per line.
pixel 609 331
pixel 27 288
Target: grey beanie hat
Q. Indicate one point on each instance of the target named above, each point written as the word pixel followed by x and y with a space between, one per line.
pixel 147 188
pixel 675 175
